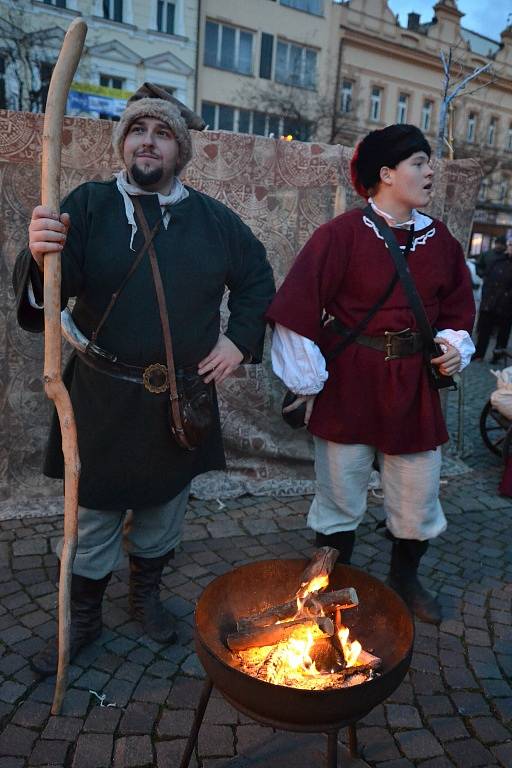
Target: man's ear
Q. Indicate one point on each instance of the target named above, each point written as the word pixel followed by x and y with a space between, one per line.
pixel 385 175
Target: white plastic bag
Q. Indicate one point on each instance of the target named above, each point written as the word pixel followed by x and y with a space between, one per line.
pixel 501 398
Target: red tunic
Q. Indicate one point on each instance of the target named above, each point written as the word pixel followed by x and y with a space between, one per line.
pixel 344 268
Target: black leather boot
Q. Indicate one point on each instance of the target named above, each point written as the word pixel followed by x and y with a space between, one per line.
pixel 86 624
pixel 343 541
pixel 145 605
pixel 403 578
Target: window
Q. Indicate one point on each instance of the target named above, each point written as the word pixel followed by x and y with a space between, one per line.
pixel 295 65
pixel 110 81
pixel 491 131
pixel 113 9
pixel 426 115
pixel 267 47
pixel 56 3
pixel 226 118
pixel 3 98
pixel 471 127
pixel 375 103
pixel 503 191
pixel 509 138
pixel 346 96
pixel 228 48
pixel 45 73
pixel 165 13
pixel 401 110
pixel 309 6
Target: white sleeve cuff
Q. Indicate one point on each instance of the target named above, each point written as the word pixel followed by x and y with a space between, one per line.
pixel 298 362
pixel 462 342
pixel 31 297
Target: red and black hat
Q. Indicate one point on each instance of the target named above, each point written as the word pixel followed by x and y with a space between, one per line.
pixel 385 147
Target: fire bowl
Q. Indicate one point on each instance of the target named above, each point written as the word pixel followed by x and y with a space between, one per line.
pixel 381 622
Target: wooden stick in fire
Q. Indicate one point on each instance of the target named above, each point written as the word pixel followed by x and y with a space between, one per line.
pixel 60 83
pixel 328 601
pixel 319 567
pixel 258 637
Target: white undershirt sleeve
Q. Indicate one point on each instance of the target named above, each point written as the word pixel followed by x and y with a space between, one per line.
pixel 462 342
pixel 298 362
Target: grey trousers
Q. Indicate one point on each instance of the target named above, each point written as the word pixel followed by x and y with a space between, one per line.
pixel 410 483
pixel 149 532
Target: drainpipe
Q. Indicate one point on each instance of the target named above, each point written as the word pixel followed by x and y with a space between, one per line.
pixel 196 83
pixel 336 91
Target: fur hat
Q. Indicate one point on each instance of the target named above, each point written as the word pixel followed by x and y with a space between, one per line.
pixel 385 147
pixel 152 101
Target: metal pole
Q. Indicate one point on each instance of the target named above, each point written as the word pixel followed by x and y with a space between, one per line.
pixel 196 725
pixel 352 740
pixel 332 749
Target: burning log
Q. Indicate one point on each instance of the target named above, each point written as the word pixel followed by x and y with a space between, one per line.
pixel 258 637
pixel 316 574
pixel 328 601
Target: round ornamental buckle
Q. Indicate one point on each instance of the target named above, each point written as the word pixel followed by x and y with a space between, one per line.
pixel 155 378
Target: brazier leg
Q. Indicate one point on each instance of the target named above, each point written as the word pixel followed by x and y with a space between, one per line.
pixel 352 740
pixel 332 749
pixel 196 725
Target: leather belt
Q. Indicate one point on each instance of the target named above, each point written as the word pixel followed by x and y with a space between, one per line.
pixel 394 344
pixel 154 376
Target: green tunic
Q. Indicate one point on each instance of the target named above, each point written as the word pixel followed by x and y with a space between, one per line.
pixel 129 459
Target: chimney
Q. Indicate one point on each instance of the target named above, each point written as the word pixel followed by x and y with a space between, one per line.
pixel 413 21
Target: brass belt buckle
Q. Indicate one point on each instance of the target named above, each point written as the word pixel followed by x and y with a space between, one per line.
pixel 155 378
pixel 389 341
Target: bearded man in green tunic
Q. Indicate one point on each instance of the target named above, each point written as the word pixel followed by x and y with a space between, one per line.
pixel 130 460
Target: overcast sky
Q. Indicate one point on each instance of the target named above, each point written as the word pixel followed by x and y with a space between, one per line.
pixel 480 16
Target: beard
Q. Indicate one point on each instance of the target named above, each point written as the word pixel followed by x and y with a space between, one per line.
pixel 145 178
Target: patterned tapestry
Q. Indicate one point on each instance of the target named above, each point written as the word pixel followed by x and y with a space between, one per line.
pixel 282 190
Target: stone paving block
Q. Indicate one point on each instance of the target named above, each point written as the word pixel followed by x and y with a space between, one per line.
pixel 152 689
pixel 138 718
pixel 118 692
pixel 102 720
pixel 133 752
pixel 488 730
pixel 503 754
pixel 10 691
pixel 220 712
pixel 35 546
pixel 76 703
pixel 170 753
pixel 419 744
pixel 215 741
pixel 460 678
pixel 92 680
pixel 435 705
pixel 16 741
pixel 15 634
pixel 185 693
pixel 250 737
pixel 376 744
pixel 469 753
pixel 448 728
pixel 49 753
pixel 504 709
pixel 130 671
pixel 470 704
pixel 175 723
pixel 402 716
pixel 31 714
pixel 93 750
pixel 64 728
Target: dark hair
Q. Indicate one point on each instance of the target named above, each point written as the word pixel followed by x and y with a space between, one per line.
pixel 385 147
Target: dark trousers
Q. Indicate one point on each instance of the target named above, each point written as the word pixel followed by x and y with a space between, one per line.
pixel 487 321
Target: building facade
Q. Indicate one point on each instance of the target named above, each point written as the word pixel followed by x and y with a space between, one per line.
pixel 128 42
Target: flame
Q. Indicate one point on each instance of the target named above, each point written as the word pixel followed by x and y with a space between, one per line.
pixel 295 659
pixel 315 585
pixel 351 651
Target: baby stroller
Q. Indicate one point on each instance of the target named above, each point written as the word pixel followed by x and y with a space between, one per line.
pixel 496 417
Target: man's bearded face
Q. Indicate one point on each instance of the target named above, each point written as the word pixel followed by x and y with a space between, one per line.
pixel 150 153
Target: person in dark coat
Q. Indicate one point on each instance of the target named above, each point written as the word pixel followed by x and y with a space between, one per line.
pixel 495 306
pixel 375 397
pixel 130 460
pixel 486 259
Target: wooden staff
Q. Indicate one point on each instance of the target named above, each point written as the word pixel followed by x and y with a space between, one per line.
pixel 60 83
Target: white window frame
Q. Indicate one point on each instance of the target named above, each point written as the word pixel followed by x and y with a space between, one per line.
pixel 471 128
pixel 287 79
pixel 509 138
pixel 252 112
pixel 296 5
pixel 427 111
pixel 164 16
pixel 491 131
pixel 347 94
pixel 376 103
pixel 218 57
pixel 402 108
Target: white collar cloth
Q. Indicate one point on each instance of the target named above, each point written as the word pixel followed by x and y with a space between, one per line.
pixel 417 221
pixel 177 194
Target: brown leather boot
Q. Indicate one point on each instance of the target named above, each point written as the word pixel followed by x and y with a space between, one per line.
pixel 403 578
pixel 145 605
pixel 86 622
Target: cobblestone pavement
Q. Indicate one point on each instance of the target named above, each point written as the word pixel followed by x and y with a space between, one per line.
pixel 453 709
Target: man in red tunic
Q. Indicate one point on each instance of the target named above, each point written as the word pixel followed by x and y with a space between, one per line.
pixel 360 404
